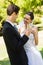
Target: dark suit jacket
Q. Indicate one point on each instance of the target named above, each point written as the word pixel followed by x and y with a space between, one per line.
pixel 14 44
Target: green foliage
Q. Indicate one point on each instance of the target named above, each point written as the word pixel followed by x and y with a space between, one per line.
pixel 25 5
pixel 5 62
pixel 37 19
pixel 41 52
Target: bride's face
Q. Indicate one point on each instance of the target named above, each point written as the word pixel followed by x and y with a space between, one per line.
pixel 27 19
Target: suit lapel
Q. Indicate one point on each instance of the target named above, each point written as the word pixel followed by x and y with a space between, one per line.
pixel 14 29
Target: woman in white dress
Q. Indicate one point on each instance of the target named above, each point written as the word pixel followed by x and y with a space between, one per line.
pixel 34 56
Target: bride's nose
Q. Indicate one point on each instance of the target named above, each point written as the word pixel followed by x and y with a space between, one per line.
pixel 25 20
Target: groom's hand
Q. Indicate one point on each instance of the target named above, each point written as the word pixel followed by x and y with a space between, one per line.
pixel 27 32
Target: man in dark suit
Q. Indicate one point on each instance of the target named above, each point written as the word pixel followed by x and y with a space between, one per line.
pixel 13 41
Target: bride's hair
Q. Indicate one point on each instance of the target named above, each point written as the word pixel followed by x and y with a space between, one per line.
pixel 31 15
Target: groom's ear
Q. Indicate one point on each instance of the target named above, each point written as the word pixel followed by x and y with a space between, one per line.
pixel 19 30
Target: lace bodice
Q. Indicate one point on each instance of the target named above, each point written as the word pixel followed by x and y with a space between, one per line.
pixel 30 42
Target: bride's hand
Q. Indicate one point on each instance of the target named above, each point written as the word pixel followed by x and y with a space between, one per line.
pixel 35 33
pixel 28 32
pixel 34 30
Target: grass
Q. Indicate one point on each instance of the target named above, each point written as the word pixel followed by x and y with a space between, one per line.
pixel 5 62
pixel 41 51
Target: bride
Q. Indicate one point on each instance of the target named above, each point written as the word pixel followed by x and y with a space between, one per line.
pixel 34 56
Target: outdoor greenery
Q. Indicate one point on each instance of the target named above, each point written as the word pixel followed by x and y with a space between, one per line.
pixel 5 62
pixel 25 5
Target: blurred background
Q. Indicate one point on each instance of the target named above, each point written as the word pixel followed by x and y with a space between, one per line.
pixel 25 5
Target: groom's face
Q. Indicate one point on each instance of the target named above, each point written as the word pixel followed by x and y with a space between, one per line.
pixel 27 19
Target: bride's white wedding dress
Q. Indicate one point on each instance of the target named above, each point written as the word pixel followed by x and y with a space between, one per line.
pixel 34 56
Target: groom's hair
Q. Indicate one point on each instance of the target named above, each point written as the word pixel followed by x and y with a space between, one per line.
pixel 31 15
pixel 12 8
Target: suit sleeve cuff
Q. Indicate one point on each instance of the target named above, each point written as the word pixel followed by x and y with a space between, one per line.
pixel 25 38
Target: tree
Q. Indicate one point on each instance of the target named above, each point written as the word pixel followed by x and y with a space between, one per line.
pixel 25 5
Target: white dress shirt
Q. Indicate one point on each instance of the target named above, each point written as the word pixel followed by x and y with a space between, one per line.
pixel 11 23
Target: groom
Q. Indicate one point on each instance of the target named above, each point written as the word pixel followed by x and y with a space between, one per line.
pixel 13 41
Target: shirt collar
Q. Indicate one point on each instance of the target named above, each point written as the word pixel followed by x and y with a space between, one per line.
pixel 11 23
